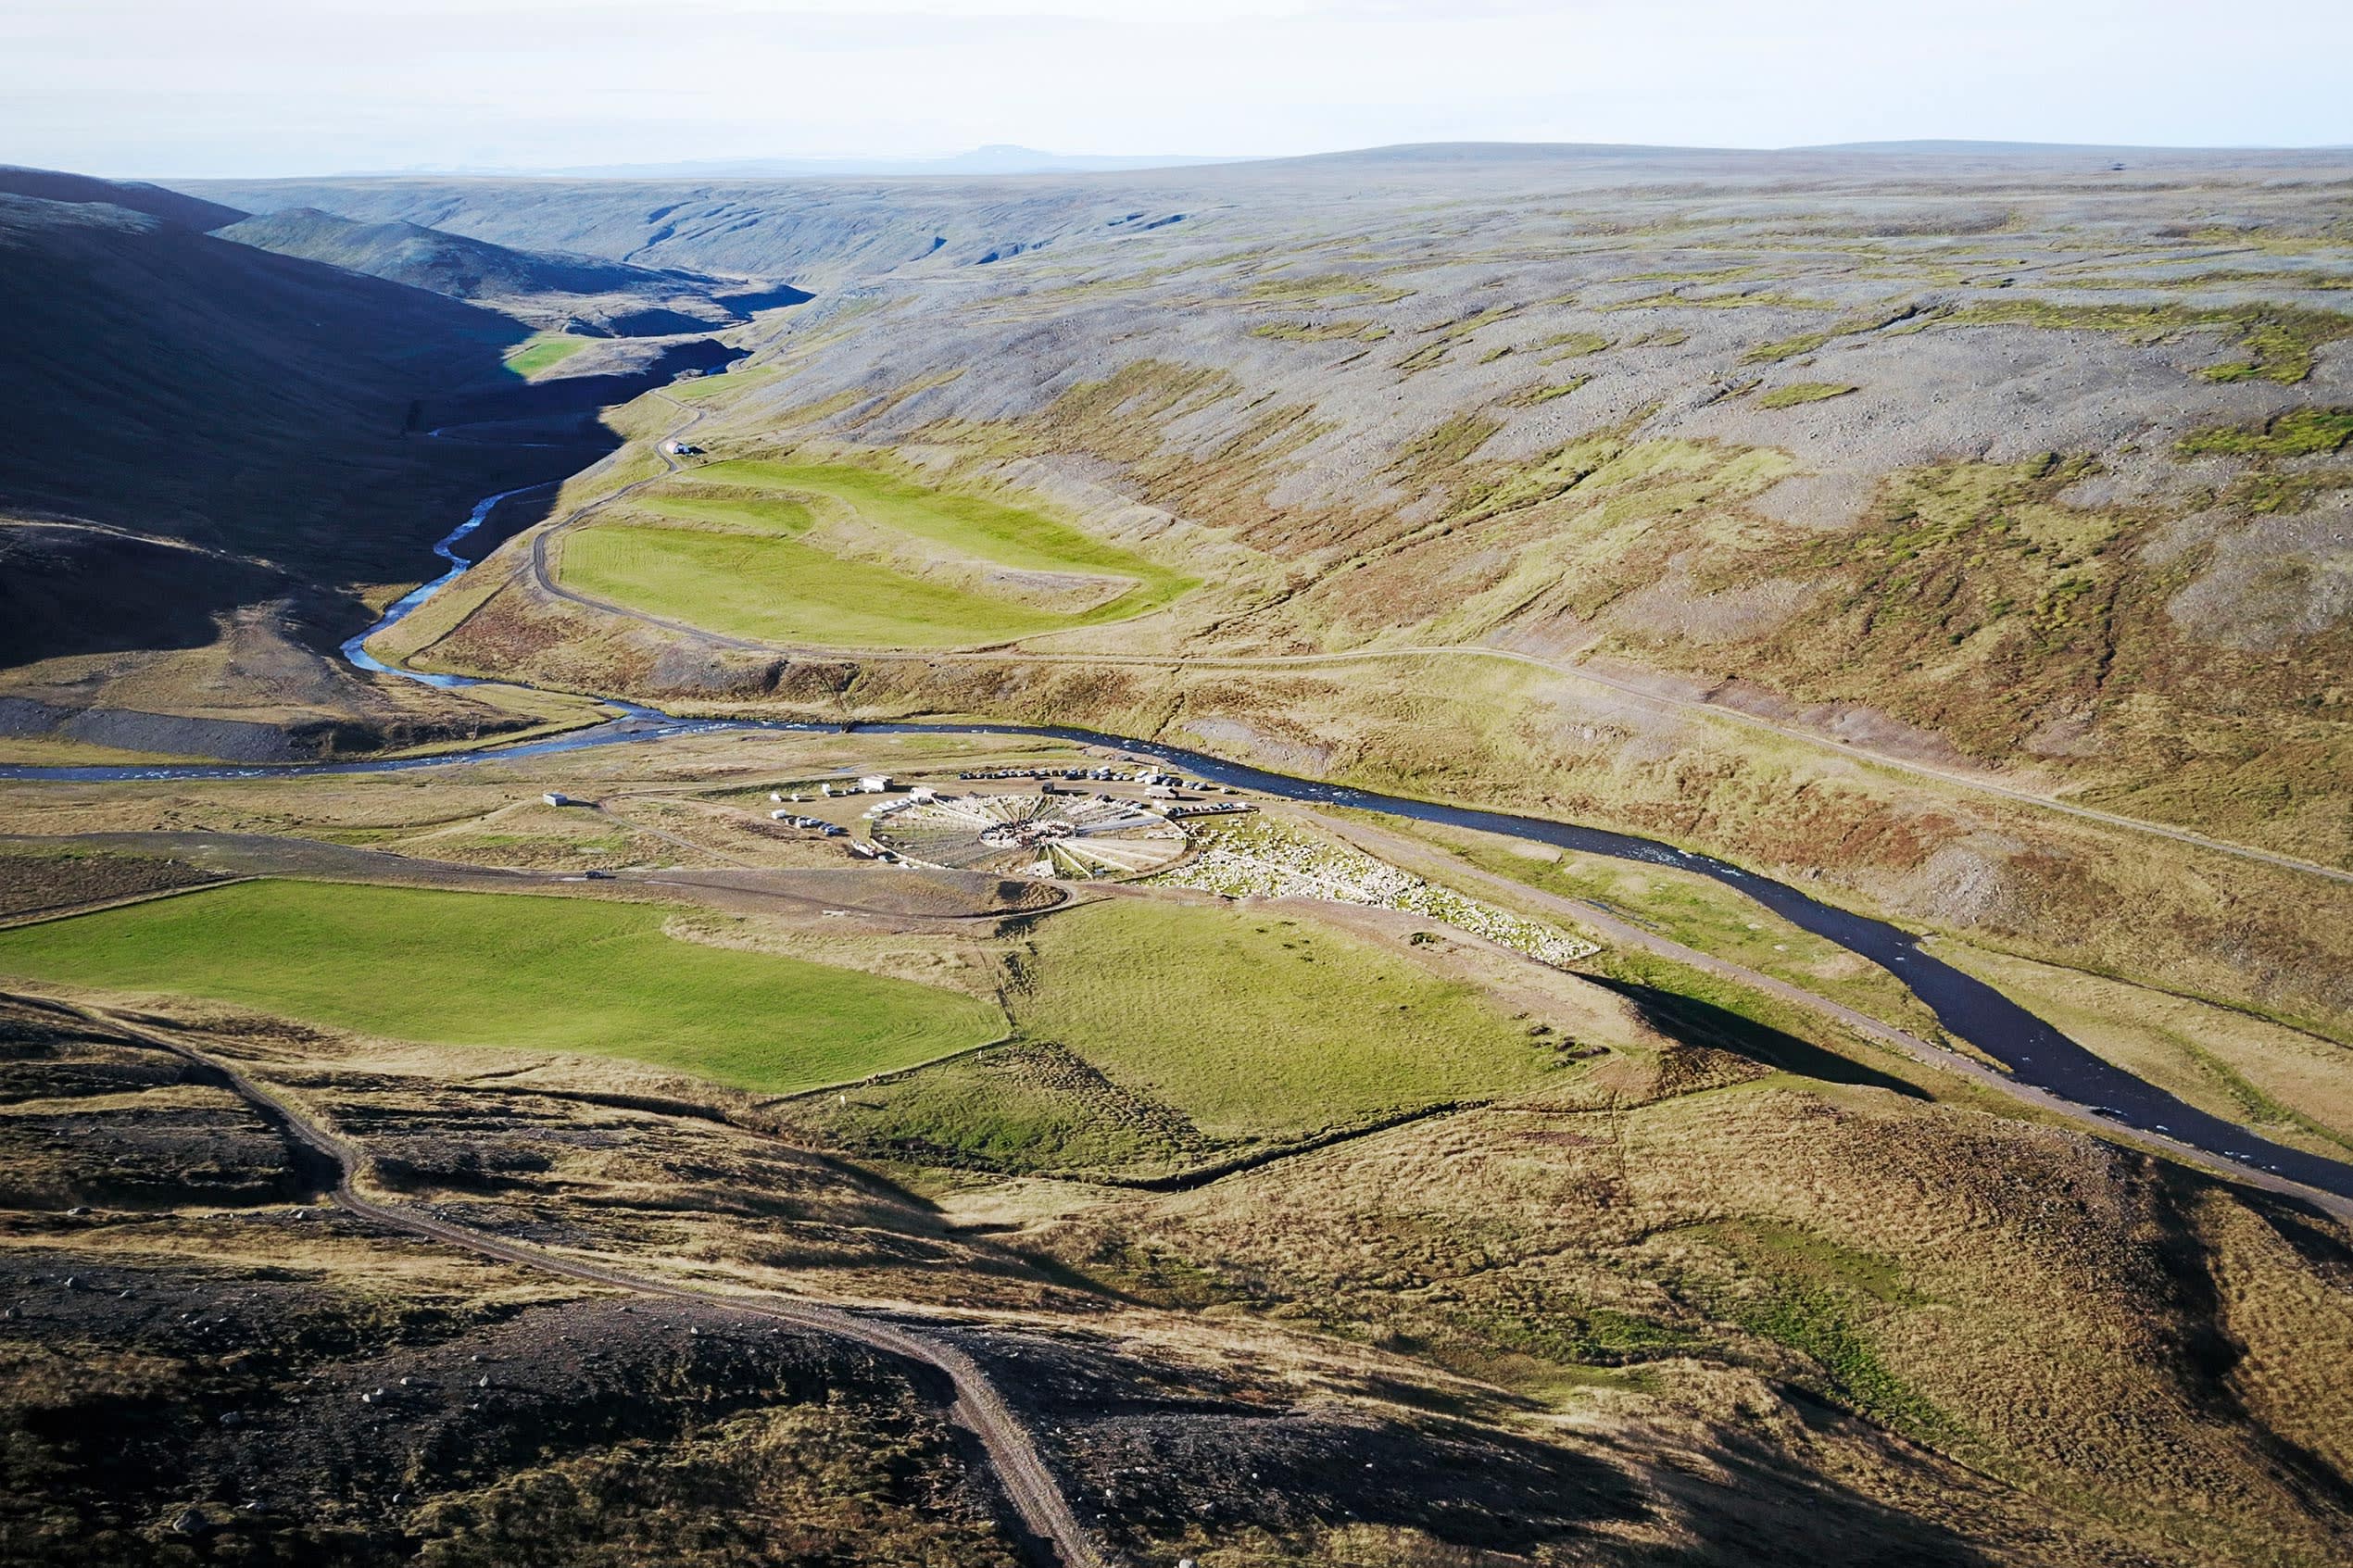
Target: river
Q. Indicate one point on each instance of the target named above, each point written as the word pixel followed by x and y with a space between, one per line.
pixel 2034 1051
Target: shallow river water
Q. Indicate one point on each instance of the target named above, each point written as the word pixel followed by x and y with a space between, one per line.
pixel 2033 1049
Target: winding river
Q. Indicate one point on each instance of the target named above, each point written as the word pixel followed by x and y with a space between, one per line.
pixel 1969 1009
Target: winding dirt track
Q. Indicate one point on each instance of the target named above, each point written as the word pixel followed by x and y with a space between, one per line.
pixel 544 579
pixel 978 1407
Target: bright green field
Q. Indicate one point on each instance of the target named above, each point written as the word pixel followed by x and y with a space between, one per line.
pixel 777 589
pixel 966 524
pixel 1257 1025
pixel 761 514
pixel 742 570
pixel 537 974
pixel 535 355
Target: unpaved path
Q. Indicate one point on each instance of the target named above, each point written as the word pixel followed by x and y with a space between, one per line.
pixel 979 1407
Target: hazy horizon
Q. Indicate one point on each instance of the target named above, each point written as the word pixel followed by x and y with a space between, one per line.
pixel 249 88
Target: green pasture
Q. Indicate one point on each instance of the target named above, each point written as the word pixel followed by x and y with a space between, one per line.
pixel 776 589
pixel 545 350
pixel 530 972
pixel 1256 1025
pixel 769 583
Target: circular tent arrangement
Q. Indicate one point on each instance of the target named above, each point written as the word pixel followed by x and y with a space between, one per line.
pixel 1058 835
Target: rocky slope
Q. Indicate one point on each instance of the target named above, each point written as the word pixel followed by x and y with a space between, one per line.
pixel 2008 459
pixel 554 289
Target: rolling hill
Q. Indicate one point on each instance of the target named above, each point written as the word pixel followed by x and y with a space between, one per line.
pixel 180 384
pixel 49 184
pixel 218 451
pixel 594 294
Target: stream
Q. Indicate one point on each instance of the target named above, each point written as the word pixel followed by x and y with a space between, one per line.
pixel 1969 1009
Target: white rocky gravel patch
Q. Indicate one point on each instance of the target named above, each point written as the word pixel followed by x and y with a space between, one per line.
pixel 1258 861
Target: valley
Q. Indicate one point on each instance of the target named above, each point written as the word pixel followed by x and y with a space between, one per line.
pixel 1658 873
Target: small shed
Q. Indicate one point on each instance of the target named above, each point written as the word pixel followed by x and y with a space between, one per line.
pixel 554 798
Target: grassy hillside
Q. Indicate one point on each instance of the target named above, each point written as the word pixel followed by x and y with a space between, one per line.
pixel 2066 502
pixel 1987 464
pixel 1984 459
pixel 841 555
pixel 530 973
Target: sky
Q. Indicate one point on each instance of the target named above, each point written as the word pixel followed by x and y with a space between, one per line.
pixel 164 88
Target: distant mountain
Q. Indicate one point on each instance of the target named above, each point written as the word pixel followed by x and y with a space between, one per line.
pixel 444 263
pixel 1001 158
pixel 587 292
pixel 192 212
pixel 1934 144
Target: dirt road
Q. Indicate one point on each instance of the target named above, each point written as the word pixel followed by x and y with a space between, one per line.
pixel 1031 1489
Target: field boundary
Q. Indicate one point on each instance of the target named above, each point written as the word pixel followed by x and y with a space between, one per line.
pixel 846 1084
pixel 44 917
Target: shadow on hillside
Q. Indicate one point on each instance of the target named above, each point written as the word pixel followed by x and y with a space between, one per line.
pixel 263 407
pixel 66 590
pixel 1190 1445
pixel 1704 1023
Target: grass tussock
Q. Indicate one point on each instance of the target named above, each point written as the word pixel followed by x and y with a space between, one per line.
pixel 1355 330
pixel 1318 288
pixel 1795 393
pixel 2299 433
pixel 1536 396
